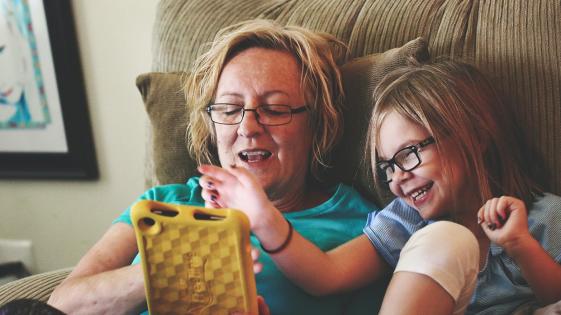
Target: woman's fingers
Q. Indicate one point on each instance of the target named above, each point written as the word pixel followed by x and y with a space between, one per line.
pixel 243 176
pixel 217 172
pixel 257 266
pixel 209 193
pixel 262 306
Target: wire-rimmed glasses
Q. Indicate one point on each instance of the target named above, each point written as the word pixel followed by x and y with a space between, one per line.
pixel 269 114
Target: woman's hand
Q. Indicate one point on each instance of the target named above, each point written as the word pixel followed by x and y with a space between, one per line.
pixel 257 266
pixel 262 308
pixel 505 221
pixel 236 188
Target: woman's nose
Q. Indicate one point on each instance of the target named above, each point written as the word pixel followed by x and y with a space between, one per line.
pixel 249 126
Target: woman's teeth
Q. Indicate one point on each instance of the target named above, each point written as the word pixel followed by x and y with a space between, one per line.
pixel 254 156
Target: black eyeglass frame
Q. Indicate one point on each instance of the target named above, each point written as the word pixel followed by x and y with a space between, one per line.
pixel 392 163
pixel 291 111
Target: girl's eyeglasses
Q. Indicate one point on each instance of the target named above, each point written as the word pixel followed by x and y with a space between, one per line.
pixel 407 159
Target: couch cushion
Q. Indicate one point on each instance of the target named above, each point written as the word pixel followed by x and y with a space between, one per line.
pixel 38 287
pixel 360 78
pixel 168 160
pixel 165 105
pixel 516 43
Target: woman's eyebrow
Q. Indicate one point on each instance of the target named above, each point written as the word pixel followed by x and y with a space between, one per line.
pixel 273 92
pixel 230 94
pixel 264 95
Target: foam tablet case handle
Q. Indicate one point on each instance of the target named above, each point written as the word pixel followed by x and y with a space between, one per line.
pixel 195 260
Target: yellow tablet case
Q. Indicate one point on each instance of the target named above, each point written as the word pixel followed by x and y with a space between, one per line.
pixel 195 260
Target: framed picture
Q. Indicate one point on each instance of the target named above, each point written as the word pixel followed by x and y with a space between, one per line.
pixel 45 130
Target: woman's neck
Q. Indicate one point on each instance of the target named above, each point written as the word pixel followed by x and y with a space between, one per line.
pixel 308 196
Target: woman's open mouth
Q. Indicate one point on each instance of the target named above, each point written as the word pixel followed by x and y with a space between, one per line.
pixel 252 156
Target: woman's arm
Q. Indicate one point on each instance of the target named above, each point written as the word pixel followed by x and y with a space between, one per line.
pixel 346 267
pixel 103 282
pixel 505 221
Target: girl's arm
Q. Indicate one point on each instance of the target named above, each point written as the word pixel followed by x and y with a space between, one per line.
pixel 346 267
pixel 103 282
pixel 538 268
pixel 505 221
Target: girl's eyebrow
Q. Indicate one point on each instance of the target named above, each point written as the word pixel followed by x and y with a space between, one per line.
pixel 404 144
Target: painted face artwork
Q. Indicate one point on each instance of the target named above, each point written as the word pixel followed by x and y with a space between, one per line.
pixel 277 155
pixel 12 76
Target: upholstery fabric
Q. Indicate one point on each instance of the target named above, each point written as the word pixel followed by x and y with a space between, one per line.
pixel 516 43
pixel 37 287
pixel 164 101
pixel 166 109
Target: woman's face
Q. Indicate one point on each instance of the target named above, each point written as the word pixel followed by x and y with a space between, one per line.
pixel 425 188
pixel 277 155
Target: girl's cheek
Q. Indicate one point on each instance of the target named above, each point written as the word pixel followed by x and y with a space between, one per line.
pixel 395 190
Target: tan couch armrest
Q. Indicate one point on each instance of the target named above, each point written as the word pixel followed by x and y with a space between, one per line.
pixel 37 287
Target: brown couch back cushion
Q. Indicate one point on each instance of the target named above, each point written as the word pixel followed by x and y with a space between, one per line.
pixel 517 43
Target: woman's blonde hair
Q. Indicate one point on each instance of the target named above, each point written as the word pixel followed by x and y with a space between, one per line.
pixel 455 103
pixel 317 54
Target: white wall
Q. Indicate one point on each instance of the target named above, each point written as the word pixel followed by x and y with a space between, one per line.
pixel 64 218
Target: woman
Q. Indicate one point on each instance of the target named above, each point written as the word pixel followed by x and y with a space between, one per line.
pixel 267 99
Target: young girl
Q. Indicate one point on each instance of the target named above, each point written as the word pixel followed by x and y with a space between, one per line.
pixel 469 229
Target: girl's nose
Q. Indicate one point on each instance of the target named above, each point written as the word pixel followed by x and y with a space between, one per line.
pixel 400 176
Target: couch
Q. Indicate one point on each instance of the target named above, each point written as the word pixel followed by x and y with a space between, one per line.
pixel 517 43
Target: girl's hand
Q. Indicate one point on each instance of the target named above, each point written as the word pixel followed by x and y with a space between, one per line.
pixel 505 221
pixel 236 188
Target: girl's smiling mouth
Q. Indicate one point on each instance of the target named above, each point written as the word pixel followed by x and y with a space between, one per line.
pixel 420 194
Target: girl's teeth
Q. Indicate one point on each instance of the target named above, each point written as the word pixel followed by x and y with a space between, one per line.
pixel 420 193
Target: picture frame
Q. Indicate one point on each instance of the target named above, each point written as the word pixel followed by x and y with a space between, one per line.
pixel 51 138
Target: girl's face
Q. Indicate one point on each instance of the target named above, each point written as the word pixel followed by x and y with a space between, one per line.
pixel 425 188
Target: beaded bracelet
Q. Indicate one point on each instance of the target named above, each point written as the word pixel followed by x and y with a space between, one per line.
pixel 283 245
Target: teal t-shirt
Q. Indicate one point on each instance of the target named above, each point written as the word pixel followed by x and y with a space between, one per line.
pixel 328 225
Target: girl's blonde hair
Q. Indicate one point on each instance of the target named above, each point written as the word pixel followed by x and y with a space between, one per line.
pixel 455 103
pixel 317 54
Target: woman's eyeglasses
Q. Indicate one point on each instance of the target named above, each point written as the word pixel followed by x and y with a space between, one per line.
pixel 270 115
pixel 407 159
